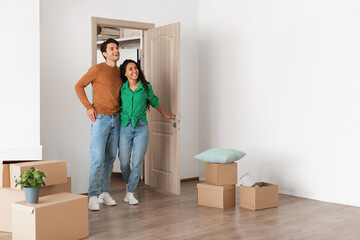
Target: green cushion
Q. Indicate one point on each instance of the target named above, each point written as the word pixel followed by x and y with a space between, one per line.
pixel 220 155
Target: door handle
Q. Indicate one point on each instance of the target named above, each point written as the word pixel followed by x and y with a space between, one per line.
pixel 178 117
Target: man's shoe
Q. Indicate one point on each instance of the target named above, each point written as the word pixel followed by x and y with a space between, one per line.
pixel 93 203
pixel 106 199
pixel 129 198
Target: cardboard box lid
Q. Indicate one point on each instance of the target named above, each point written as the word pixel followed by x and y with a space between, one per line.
pixel 46 201
pixel 209 186
pixel 23 208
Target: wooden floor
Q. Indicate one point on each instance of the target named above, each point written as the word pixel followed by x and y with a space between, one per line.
pixel 164 216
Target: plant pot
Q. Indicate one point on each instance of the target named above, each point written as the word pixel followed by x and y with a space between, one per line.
pixel 32 195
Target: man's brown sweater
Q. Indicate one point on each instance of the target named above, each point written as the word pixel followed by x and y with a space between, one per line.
pixel 106 85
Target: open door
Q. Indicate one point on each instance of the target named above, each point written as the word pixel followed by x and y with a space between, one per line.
pixel 162 69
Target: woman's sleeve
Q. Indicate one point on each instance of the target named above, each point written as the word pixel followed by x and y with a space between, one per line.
pixel 153 99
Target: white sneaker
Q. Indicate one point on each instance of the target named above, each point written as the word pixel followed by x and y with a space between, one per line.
pixel 106 199
pixel 129 198
pixel 93 203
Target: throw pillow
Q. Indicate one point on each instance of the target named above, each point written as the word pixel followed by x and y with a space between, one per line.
pixel 220 155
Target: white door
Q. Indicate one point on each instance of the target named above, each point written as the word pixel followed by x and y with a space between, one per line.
pixel 162 70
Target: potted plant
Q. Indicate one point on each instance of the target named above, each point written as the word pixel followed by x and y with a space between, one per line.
pixel 31 181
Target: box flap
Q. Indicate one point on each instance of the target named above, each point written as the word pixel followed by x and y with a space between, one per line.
pixel 24 208
pixel 55 199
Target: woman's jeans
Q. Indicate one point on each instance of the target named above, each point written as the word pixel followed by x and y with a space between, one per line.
pixel 103 148
pixel 135 140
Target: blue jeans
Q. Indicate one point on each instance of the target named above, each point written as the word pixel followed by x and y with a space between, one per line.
pixel 135 141
pixel 103 148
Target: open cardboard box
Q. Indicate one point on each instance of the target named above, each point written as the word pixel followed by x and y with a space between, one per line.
pixel 266 196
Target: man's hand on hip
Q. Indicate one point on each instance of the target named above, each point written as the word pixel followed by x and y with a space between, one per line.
pixel 92 114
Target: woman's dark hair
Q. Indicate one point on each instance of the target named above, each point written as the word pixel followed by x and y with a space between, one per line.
pixel 103 46
pixel 141 78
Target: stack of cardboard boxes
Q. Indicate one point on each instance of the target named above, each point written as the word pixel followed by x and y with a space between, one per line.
pixel 219 189
pixel 16 215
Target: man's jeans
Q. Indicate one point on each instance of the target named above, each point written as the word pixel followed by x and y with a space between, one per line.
pixel 136 140
pixel 103 148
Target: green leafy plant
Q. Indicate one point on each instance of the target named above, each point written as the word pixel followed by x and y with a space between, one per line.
pixel 31 178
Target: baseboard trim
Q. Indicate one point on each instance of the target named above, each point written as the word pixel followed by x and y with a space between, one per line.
pixel 181 180
pixel 189 179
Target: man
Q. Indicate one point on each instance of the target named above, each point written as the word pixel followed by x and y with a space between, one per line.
pixel 105 118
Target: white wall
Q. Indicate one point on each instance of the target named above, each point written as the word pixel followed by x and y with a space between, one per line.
pixel 66 56
pixel 20 80
pixel 280 81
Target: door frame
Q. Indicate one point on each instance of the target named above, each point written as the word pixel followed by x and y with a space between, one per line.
pixel 107 22
pixel 95 21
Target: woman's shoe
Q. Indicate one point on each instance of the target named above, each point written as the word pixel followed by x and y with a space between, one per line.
pixel 129 198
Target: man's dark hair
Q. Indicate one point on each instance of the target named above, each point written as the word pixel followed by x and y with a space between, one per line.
pixel 103 46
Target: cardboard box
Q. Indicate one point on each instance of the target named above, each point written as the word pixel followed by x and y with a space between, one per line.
pixel 58 188
pixel 56 171
pixel 5 171
pixel 9 195
pixel 216 196
pixel 221 174
pixel 266 196
pixel 59 216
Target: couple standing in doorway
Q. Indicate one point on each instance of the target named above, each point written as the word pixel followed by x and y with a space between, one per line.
pixel 118 120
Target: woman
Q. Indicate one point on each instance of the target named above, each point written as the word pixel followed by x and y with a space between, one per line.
pixel 136 97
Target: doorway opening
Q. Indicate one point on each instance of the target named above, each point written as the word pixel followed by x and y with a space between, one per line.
pixel 130 38
pixel 130 42
pixel 158 51
pixel 130 35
